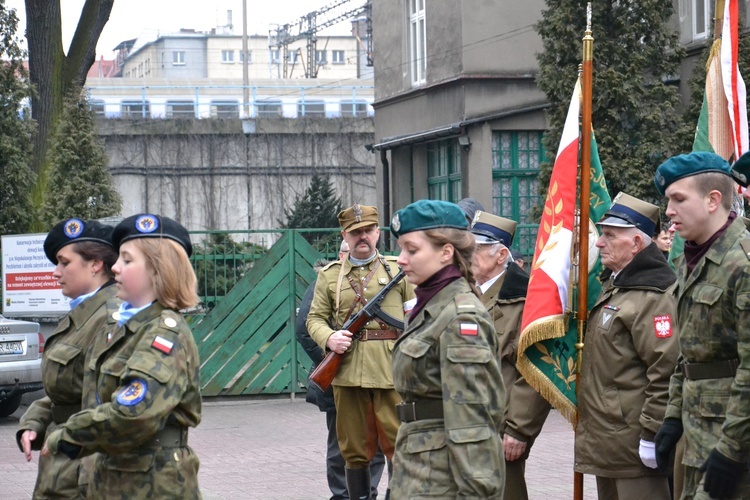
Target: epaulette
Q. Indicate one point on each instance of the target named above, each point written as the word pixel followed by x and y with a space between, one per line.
pixel 745 244
pixel 465 302
pixel 392 258
pixel 170 319
pixel 327 266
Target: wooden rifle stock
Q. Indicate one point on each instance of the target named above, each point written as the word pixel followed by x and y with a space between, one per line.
pixel 324 373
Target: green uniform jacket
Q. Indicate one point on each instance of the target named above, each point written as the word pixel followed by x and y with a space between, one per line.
pixel 526 409
pixel 714 313
pixel 448 353
pixel 367 364
pixel 630 351
pixel 63 370
pixel 139 390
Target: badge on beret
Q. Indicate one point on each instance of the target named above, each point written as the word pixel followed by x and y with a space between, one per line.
pixel 73 228
pixel 663 326
pixel 660 178
pixel 469 329
pixel 133 393
pixel 162 344
pixel 147 224
pixel 396 223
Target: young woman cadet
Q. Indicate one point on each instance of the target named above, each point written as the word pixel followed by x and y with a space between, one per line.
pixel 146 371
pixel 83 255
pixel 445 365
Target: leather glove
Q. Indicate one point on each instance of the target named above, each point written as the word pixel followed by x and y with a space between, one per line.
pixel 647 452
pixel 666 439
pixel 722 475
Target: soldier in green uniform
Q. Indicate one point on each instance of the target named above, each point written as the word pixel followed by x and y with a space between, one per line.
pixel 709 393
pixel 142 377
pixel 503 288
pixel 363 388
pixel 630 351
pixel 83 256
pixel 445 366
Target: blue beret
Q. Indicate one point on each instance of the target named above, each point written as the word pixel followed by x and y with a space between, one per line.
pixel 151 226
pixel 428 214
pixel 694 163
pixel 75 231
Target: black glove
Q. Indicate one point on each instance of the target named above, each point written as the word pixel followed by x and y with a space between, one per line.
pixel 69 449
pixel 666 439
pixel 722 475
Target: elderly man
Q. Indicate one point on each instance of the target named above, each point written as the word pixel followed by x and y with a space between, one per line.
pixel 630 351
pixel 710 392
pixel 503 288
pixel 363 388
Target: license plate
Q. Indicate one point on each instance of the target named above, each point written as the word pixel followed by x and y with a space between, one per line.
pixel 11 348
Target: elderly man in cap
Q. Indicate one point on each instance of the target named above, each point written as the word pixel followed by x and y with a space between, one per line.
pixel 503 288
pixel 629 353
pixel 363 388
pixel 710 391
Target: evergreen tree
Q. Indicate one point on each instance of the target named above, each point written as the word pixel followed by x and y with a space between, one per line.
pixel 80 184
pixel 634 111
pixel 318 207
pixel 16 131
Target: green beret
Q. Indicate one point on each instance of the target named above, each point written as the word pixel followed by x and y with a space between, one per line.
pixel 75 231
pixel 741 170
pixel 151 226
pixel 698 162
pixel 428 214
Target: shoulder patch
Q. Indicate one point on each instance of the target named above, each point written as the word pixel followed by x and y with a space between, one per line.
pixel 465 302
pixel 663 326
pixel 467 328
pixel 745 244
pixel 134 393
pixel 170 320
pixel 330 265
pixel 162 344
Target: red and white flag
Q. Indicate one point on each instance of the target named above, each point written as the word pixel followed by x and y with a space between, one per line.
pixel 734 85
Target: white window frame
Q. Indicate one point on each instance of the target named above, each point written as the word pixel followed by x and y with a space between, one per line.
pixel 274 56
pixel 338 57
pixel 701 32
pixel 178 58
pixel 249 56
pixel 417 42
pixel 227 56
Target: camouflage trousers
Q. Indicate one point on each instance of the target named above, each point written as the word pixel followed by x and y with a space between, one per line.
pixel 160 473
pixel 693 488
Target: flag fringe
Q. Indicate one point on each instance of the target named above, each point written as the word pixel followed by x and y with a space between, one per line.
pixel 714 53
pixel 548 327
pixel 539 381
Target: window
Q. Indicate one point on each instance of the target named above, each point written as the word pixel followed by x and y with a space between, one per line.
pixel 417 42
pixel 97 107
pixel 311 109
pixel 147 64
pixel 444 170
pixel 353 108
pixel 275 59
pixel 701 18
pixel 225 109
pixel 180 109
pixel 227 56
pixel 249 56
pixel 293 56
pixel 140 70
pixel 337 57
pixel 516 157
pixel 178 58
pixel 268 109
pixel 135 109
pixel 320 56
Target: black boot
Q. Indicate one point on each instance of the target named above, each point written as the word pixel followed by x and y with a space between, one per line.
pixel 358 483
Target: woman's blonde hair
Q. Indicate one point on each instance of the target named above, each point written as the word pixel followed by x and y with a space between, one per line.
pixel 173 278
pixel 463 243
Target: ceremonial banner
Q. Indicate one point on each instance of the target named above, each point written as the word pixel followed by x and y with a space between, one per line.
pixel 546 348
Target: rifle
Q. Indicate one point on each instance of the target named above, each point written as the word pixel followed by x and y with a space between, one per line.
pixel 324 373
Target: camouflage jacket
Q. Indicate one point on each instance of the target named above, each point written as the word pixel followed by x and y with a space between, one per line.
pixel 526 409
pixel 714 316
pixel 448 353
pixel 629 353
pixel 367 364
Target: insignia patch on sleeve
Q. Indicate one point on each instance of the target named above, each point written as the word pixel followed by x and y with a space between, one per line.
pixel 162 344
pixel 469 329
pixel 663 326
pixel 133 393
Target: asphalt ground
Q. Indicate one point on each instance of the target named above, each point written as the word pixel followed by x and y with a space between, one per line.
pixel 275 449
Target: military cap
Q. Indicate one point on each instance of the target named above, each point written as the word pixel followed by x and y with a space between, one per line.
pixel 628 211
pixel 428 214
pixel 490 229
pixel 470 206
pixel 358 216
pixel 678 167
pixel 151 226
pixel 75 231
pixel 741 170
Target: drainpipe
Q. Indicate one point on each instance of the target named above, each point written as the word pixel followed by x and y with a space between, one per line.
pixel 386 188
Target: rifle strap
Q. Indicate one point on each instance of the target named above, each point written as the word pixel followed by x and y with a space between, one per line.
pixel 359 289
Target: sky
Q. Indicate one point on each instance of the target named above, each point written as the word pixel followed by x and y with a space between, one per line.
pixel 133 18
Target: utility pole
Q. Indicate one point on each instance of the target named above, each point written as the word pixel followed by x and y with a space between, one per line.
pixel 245 65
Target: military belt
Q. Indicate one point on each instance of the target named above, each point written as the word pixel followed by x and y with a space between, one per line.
pixel 420 410
pixel 61 413
pixel 379 335
pixel 716 369
pixel 171 436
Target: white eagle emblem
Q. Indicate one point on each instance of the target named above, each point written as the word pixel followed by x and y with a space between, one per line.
pixel 663 326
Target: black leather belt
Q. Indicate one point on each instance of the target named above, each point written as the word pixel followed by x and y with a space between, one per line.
pixel 716 369
pixel 420 410
pixel 170 436
pixel 61 413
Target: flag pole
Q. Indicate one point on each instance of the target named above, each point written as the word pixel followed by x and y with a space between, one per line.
pixel 585 194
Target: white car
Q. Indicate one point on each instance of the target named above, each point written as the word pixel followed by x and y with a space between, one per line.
pixel 21 347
